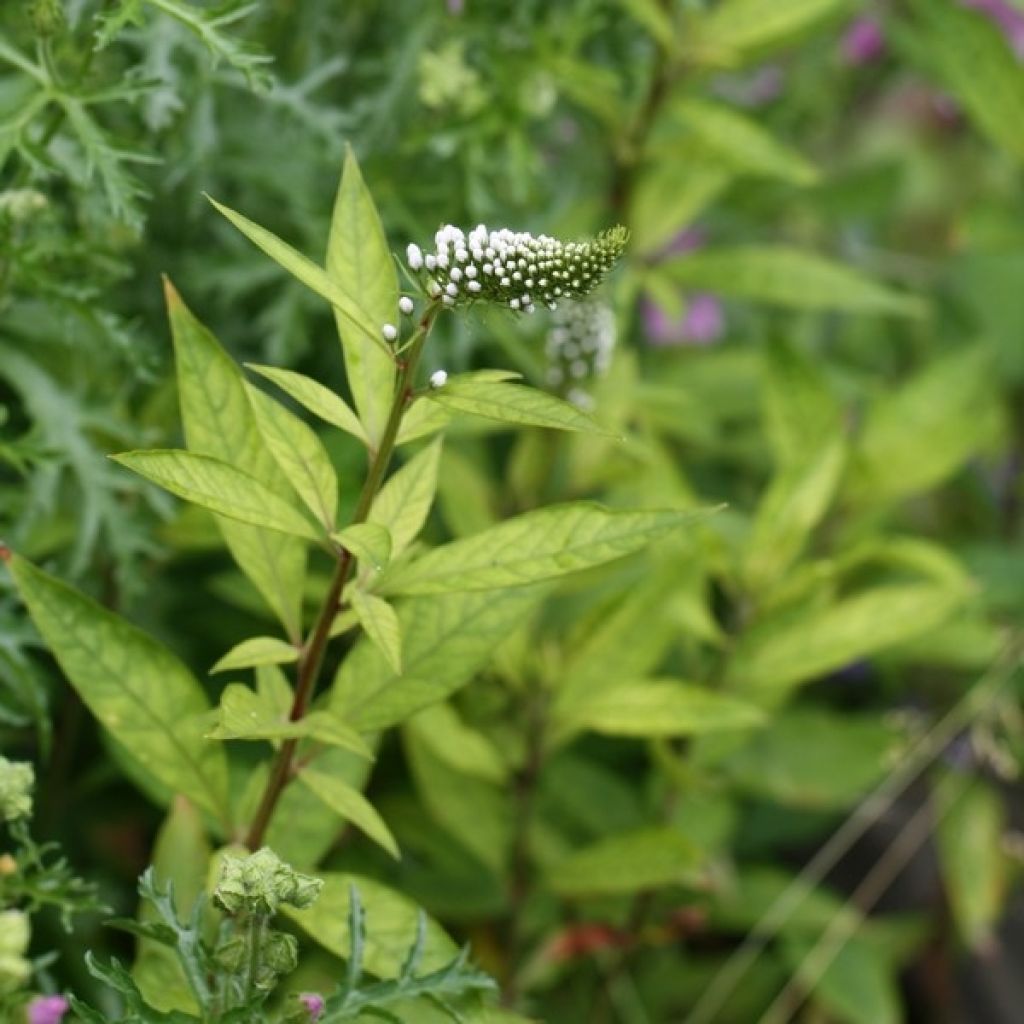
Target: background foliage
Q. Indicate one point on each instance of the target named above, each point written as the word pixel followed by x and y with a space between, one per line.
pixel 819 324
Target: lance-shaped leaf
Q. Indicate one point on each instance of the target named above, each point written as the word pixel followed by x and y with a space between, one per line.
pixel 445 640
pixel 782 276
pixel 651 707
pixel 256 651
pixel 631 862
pixel 404 501
pixel 369 542
pixel 147 699
pixel 303 269
pixel 347 801
pixel 219 487
pixel 380 624
pixel 219 421
pixel 246 715
pixel 300 454
pixel 359 263
pixel 511 403
pixel 312 395
pixel 536 546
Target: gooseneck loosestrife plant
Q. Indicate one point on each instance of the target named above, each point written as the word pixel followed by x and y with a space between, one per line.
pixel 266 477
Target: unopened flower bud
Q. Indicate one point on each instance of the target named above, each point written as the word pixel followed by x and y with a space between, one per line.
pixel 47 1010
pixel 438 378
pixel 16 781
pixel 405 305
pixel 389 331
pixel 14 935
pixel 260 883
pixel 414 256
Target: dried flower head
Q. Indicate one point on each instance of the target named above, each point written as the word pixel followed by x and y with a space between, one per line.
pixel 514 268
pixel 261 882
pixel 16 781
pixel 579 346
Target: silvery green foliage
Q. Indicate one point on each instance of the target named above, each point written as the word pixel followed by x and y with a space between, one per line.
pixel 260 883
pixel 579 346
pixel 513 268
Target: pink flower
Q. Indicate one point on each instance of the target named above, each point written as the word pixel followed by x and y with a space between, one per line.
pixel 47 1010
pixel 314 1004
pixel 702 323
pixel 1007 17
pixel 862 42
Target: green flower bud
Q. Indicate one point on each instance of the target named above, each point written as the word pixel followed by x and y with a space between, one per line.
pixel 231 954
pixel 260 883
pixel 47 16
pixel 16 781
pixel 15 970
pixel 280 952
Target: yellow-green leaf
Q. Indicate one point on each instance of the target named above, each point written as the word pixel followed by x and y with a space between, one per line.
pixel 348 802
pixel 257 650
pixel 369 542
pixel 380 624
pixel 404 501
pixel 219 487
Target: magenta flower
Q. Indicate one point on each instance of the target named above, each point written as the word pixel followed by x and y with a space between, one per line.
pixel 862 42
pixel 1007 17
pixel 314 1004
pixel 702 322
pixel 47 1010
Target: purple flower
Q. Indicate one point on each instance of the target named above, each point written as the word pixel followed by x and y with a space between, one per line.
pixel 314 1004
pixel 455 7
pixel 862 42
pixel 702 322
pixel 1007 17
pixel 47 1010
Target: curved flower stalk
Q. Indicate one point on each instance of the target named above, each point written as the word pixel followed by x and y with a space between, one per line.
pixel 513 268
pixel 579 347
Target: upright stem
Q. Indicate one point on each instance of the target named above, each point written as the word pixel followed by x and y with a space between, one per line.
pixel 312 658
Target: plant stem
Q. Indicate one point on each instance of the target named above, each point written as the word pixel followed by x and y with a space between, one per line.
pixel 255 937
pixel 315 647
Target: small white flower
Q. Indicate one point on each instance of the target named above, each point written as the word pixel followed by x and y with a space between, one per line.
pixel 438 378
pixel 474 286
pixel 455 274
pixel 429 261
pixel 414 256
pixel 452 289
pixel 405 305
pixel 389 331
pixel 433 288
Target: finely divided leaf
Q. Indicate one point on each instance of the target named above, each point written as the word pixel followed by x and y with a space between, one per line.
pixel 220 487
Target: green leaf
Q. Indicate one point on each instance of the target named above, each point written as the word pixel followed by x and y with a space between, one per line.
pixel 380 623
pixel 445 641
pixel 655 19
pixel 976 62
pixel 511 403
pixel 969 838
pixel 219 487
pixel 782 276
pixel 539 545
pixel 219 422
pixel 857 987
pixel 450 739
pixel 135 687
pixel 630 862
pixel 257 650
pixel 391 924
pixel 790 509
pixel 741 143
pixel 312 395
pixel 476 813
pixel 305 270
pixel 245 715
pixel 422 419
pixel 369 542
pixel 916 436
pixel 359 263
pixel 651 707
pixel 348 802
pixel 300 454
pixel 812 758
pixel 781 653
pixel 737 30
pixel 404 501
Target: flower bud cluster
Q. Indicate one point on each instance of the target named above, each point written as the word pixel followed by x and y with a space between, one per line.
pixel 16 781
pixel 14 935
pixel 260 883
pixel 579 346
pixel 513 268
